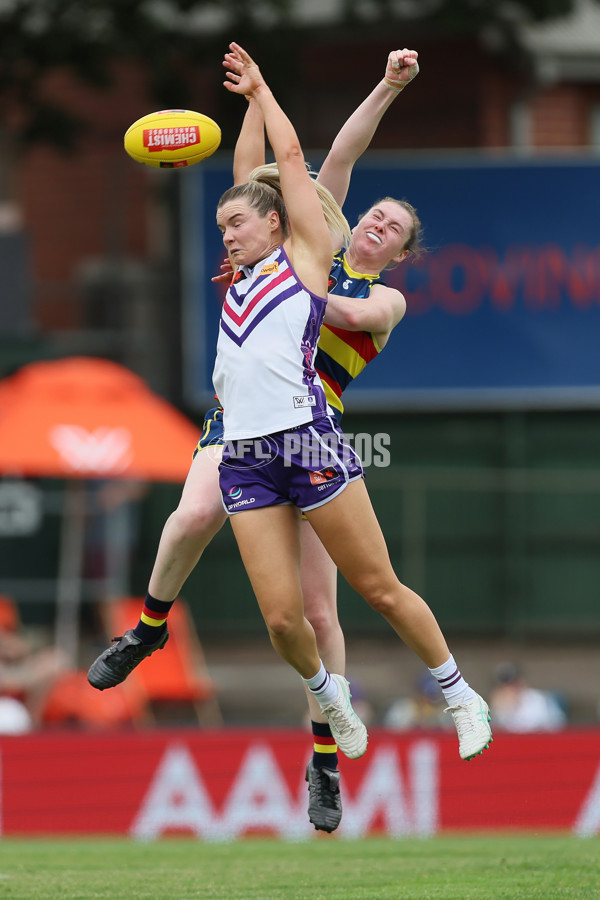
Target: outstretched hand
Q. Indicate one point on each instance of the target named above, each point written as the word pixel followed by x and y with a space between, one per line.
pixel 402 67
pixel 226 275
pixel 243 74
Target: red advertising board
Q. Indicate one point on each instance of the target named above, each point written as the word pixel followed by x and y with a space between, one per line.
pixel 229 783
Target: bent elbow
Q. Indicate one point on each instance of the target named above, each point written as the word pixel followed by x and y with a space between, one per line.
pixel 293 153
pixel 353 322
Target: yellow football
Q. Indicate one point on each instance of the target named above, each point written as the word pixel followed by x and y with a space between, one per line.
pixel 172 138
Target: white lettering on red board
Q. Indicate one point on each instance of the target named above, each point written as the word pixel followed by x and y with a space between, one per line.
pixel 260 800
pixel 587 822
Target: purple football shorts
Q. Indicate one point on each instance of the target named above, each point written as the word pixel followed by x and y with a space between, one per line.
pixel 305 466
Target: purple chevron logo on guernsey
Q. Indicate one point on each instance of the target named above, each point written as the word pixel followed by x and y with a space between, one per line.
pixel 251 302
pixel 238 326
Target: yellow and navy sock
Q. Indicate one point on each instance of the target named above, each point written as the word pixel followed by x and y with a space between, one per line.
pixel 153 620
pixel 324 747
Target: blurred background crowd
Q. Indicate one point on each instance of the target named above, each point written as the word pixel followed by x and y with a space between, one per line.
pixel 491 504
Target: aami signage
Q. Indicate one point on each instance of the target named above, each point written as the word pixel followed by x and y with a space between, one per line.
pixel 219 785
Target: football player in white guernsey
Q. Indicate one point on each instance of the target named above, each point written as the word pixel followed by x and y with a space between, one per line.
pixel 268 528
pixel 384 236
pixel 200 513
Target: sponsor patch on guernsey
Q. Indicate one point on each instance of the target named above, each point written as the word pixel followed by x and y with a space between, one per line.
pixel 301 402
pixel 270 269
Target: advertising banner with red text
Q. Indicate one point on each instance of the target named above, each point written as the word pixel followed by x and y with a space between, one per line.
pixel 225 784
pixel 503 308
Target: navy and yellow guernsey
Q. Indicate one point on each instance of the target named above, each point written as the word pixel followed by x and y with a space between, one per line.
pixel 342 355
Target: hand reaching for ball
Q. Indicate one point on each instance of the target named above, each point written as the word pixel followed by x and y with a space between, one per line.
pixel 243 74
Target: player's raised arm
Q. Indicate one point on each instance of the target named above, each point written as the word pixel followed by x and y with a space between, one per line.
pixel 250 146
pixel 310 242
pixel 357 132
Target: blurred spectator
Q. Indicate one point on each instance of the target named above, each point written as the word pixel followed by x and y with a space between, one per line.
pixel 26 675
pixel 516 706
pixel 112 531
pixel 73 703
pixel 14 716
pixel 423 709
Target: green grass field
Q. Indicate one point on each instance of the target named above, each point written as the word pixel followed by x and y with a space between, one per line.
pixel 453 868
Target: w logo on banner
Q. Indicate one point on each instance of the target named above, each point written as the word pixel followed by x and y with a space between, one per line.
pixel 103 451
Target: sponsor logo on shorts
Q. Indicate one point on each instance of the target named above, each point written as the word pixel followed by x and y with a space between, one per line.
pixel 235 492
pixel 328 474
pixel 301 402
pixel 241 503
pixel 171 138
pixel 270 269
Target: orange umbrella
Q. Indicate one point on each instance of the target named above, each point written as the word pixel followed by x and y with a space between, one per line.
pixel 84 418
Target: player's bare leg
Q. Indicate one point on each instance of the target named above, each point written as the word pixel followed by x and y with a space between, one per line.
pixel 319 588
pixel 350 532
pixel 187 532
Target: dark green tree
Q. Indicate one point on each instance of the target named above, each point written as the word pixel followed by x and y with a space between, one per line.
pixel 37 36
pixel 170 37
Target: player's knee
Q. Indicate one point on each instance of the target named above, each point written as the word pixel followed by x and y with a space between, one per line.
pixel 381 596
pixel 281 625
pixel 195 521
pixel 383 603
pixel 323 621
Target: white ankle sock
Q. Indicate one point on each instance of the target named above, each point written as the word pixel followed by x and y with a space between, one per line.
pixel 453 685
pixel 323 686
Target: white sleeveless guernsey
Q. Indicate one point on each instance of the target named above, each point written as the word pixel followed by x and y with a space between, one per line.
pixel 264 374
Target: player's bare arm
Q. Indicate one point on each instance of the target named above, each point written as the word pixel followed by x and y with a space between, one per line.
pixel 250 146
pixel 357 132
pixel 309 245
pixel 378 314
